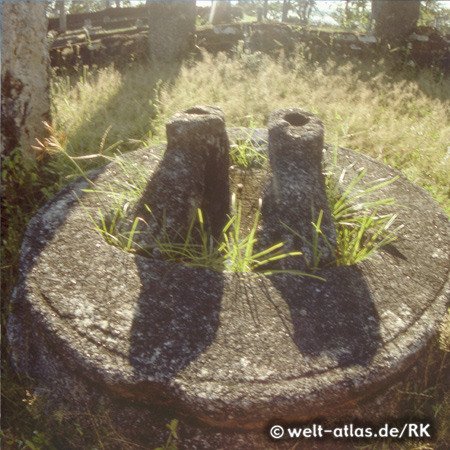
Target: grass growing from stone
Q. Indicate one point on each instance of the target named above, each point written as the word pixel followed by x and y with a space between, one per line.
pixel 360 229
pixel 360 226
pixel 395 114
pixel 239 250
pixel 246 154
pixel 233 252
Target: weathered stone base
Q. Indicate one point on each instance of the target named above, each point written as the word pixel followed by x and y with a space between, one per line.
pixel 226 352
pixel 75 398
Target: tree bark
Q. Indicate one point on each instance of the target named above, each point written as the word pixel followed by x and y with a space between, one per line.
pixel 62 16
pixel 395 19
pixel 25 74
pixel 221 12
pixel 171 28
pixel 286 5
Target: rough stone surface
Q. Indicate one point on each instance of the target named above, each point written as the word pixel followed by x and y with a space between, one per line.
pixel 227 350
pixel 193 174
pixel 171 29
pixel 25 73
pixel 297 193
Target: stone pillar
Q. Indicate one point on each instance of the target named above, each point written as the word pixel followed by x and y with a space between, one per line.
pixel 171 28
pixel 25 73
pixel 192 175
pixel 297 193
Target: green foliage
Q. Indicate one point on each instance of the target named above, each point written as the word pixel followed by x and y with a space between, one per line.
pixel 84 102
pixel 361 228
pixel 434 14
pixel 82 6
pixel 38 441
pixel 250 8
pixel 58 146
pixel 304 9
pixel 353 14
pixel 366 234
pixel 399 116
pixel 233 252
pixel 317 236
pixel 239 251
pixel 171 443
pixel 19 168
pixel 26 183
pixel 246 154
pixel 195 248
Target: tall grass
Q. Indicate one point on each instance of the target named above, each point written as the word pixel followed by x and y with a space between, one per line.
pixel 401 119
pixel 84 107
pixel 403 122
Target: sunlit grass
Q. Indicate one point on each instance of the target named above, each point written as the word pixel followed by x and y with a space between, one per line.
pixel 83 108
pixel 402 120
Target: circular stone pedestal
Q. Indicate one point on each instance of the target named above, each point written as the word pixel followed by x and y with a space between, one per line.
pixel 229 349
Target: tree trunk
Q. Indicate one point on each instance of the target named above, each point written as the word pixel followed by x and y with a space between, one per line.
pixel 171 28
pixel 395 19
pixel 220 12
pixel 62 16
pixel 286 5
pixel 25 74
pixel 266 8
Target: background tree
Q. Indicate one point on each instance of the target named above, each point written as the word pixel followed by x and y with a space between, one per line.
pixel 249 7
pixel 171 29
pixel 395 19
pixel 275 11
pixel 353 14
pixel 304 10
pixel 220 12
pixel 265 8
pixel 62 16
pixel 25 73
pixel 433 14
pixel 286 8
